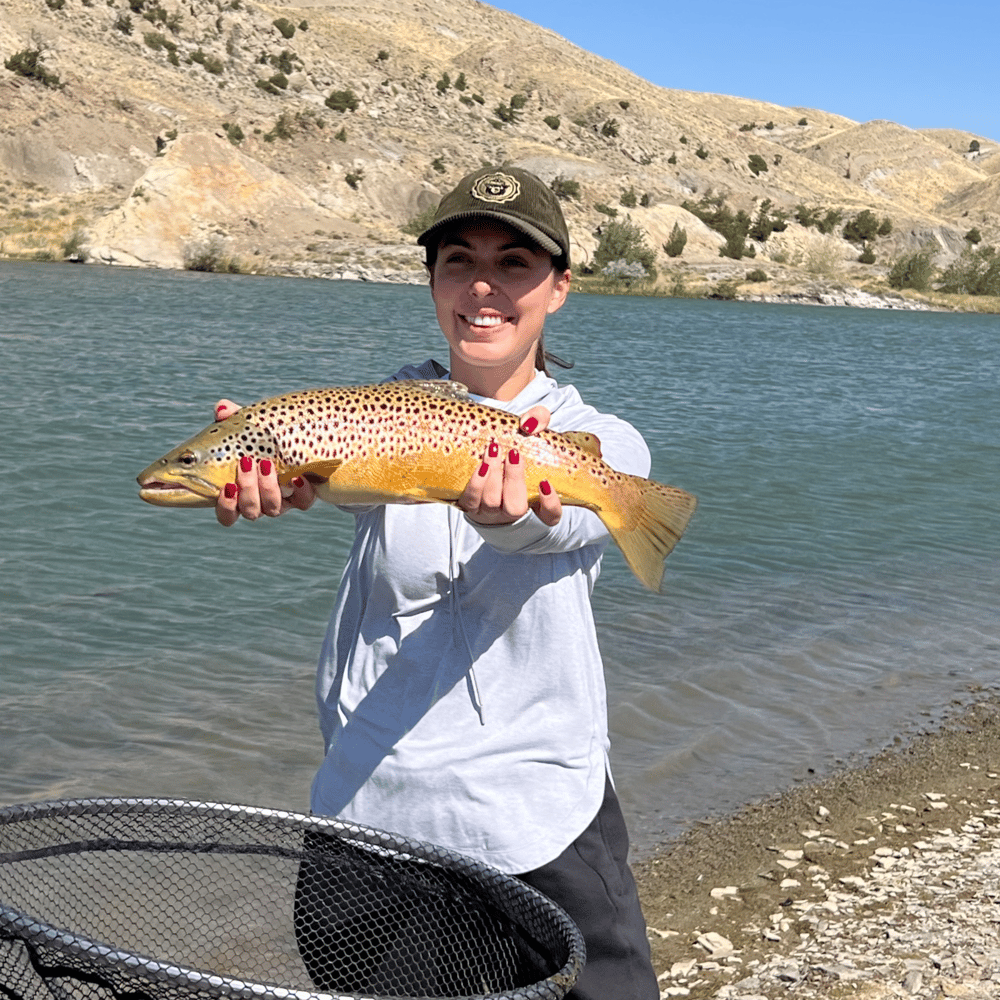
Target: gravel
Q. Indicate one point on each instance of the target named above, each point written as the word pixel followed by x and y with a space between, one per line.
pixel 882 881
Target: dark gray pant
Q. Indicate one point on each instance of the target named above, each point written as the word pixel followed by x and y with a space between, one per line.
pixel 592 882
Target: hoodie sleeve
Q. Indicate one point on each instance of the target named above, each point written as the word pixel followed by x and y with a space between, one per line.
pixel 622 447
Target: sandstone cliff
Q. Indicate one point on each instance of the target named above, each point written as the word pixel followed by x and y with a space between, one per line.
pixel 301 139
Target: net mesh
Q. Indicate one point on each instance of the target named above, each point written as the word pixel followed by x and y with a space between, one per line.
pixel 152 899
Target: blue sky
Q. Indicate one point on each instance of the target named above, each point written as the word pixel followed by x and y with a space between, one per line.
pixel 921 63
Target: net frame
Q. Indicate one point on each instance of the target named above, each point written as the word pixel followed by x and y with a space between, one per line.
pixel 526 907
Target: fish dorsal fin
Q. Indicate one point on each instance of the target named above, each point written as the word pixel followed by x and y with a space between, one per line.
pixel 314 472
pixel 442 388
pixel 585 441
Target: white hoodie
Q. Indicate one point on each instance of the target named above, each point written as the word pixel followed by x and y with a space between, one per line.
pixel 460 686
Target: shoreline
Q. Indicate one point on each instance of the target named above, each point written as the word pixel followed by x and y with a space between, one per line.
pixel 880 880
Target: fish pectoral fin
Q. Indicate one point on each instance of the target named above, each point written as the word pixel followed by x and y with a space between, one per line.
pixel 314 472
pixel 585 441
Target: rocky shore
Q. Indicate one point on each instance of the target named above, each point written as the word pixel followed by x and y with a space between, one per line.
pixel 881 881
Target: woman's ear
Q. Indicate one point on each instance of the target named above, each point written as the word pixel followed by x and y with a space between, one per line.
pixel 560 289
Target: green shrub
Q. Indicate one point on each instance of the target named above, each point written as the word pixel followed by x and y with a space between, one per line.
pixel 506 114
pixel 974 146
pixel 518 101
pixel 55 4
pixel 354 177
pixel 342 100
pixel 748 126
pixel 701 153
pixel 629 199
pixel 610 128
pixel 863 227
pixel 382 55
pixel 606 210
pixel 233 133
pixel 624 241
pixel 976 272
pixel 421 222
pixel 552 121
pixel 757 164
pixel 830 221
pixel 973 236
pixel 285 26
pixel 672 159
pixel 341 136
pixel 645 200
pixel 28 63
pixel 885 226
pixel 460 82
pixel 623 105
pixel 279 80
pixel 757 275
pixel 765 223
pixel 438 164
pixel 564 189
pixel 867 256
pixel 802 121
pixel 72 248
pixel 283 128
pixel 210 257
pixel 674 246
pixel 683 140
pixel 914 270
pixel 444 83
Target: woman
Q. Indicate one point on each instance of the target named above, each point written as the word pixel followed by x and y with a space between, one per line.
pixel 461 691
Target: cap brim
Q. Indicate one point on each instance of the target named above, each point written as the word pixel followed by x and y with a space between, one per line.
pixel 548 244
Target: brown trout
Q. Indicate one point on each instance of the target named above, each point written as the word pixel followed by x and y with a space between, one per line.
pixel 406 442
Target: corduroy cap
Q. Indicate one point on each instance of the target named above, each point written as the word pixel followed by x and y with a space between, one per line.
pixel 510 195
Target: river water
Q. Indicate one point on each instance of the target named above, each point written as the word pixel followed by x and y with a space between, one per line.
pixel 837 588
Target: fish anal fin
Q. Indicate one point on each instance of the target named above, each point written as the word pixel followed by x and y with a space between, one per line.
pixel 585 441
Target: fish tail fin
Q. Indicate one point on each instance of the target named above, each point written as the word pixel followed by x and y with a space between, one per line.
pixel 650 526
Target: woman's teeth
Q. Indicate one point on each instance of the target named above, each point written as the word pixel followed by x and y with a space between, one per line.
pixel 484 320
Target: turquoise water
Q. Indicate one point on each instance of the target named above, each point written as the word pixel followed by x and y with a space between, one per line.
pixel 838 586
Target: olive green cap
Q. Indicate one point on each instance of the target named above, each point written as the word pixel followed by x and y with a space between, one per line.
pixel 510 195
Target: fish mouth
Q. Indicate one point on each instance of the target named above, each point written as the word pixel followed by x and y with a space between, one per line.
pixel 165 494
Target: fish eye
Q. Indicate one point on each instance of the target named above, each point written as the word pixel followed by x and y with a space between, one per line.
pixel 187 458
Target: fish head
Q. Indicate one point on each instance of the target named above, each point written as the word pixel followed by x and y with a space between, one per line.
pixel 194 473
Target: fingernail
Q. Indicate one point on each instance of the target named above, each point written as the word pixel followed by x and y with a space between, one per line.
pixel 298 482
pixel 265 467
pixel 231 490
pixel 484 468
pixel 246 463
pixel 545 487
pixel 529 425
pixel 220 407
pixel 494 449
pixel 514 456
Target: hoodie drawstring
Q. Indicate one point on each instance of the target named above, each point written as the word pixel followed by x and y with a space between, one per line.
pixel 456 616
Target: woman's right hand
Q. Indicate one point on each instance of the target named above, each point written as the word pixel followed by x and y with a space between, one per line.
pixel 256 491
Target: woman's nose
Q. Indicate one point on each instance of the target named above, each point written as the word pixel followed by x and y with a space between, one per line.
pixel 482 284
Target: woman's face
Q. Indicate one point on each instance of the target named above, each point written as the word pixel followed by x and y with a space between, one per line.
pixel 493 288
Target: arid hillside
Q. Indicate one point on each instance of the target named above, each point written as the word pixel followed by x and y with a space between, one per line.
pixel 304 139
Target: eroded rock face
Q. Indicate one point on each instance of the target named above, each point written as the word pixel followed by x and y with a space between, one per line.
pixel 204 192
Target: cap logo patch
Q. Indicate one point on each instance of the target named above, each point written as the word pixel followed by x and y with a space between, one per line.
pixel 496 188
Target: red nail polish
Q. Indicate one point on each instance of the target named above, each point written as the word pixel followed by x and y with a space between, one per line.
pixel 246 463
pixel 545 487
pixel 231 490
pixel 265 467
pixel 514 456
pixel 494 449
pixel 220 407
pixel 298 482
pixel 529 425
pixel 484 468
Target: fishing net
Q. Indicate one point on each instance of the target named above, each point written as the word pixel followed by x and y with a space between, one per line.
pixel 154 899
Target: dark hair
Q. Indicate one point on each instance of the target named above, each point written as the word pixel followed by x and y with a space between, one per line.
pixel 559 264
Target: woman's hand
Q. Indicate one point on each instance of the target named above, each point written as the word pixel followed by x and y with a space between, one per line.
pixel 256 491
pixel 497 493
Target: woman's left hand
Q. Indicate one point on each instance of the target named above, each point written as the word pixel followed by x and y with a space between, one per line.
pixel 497 493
